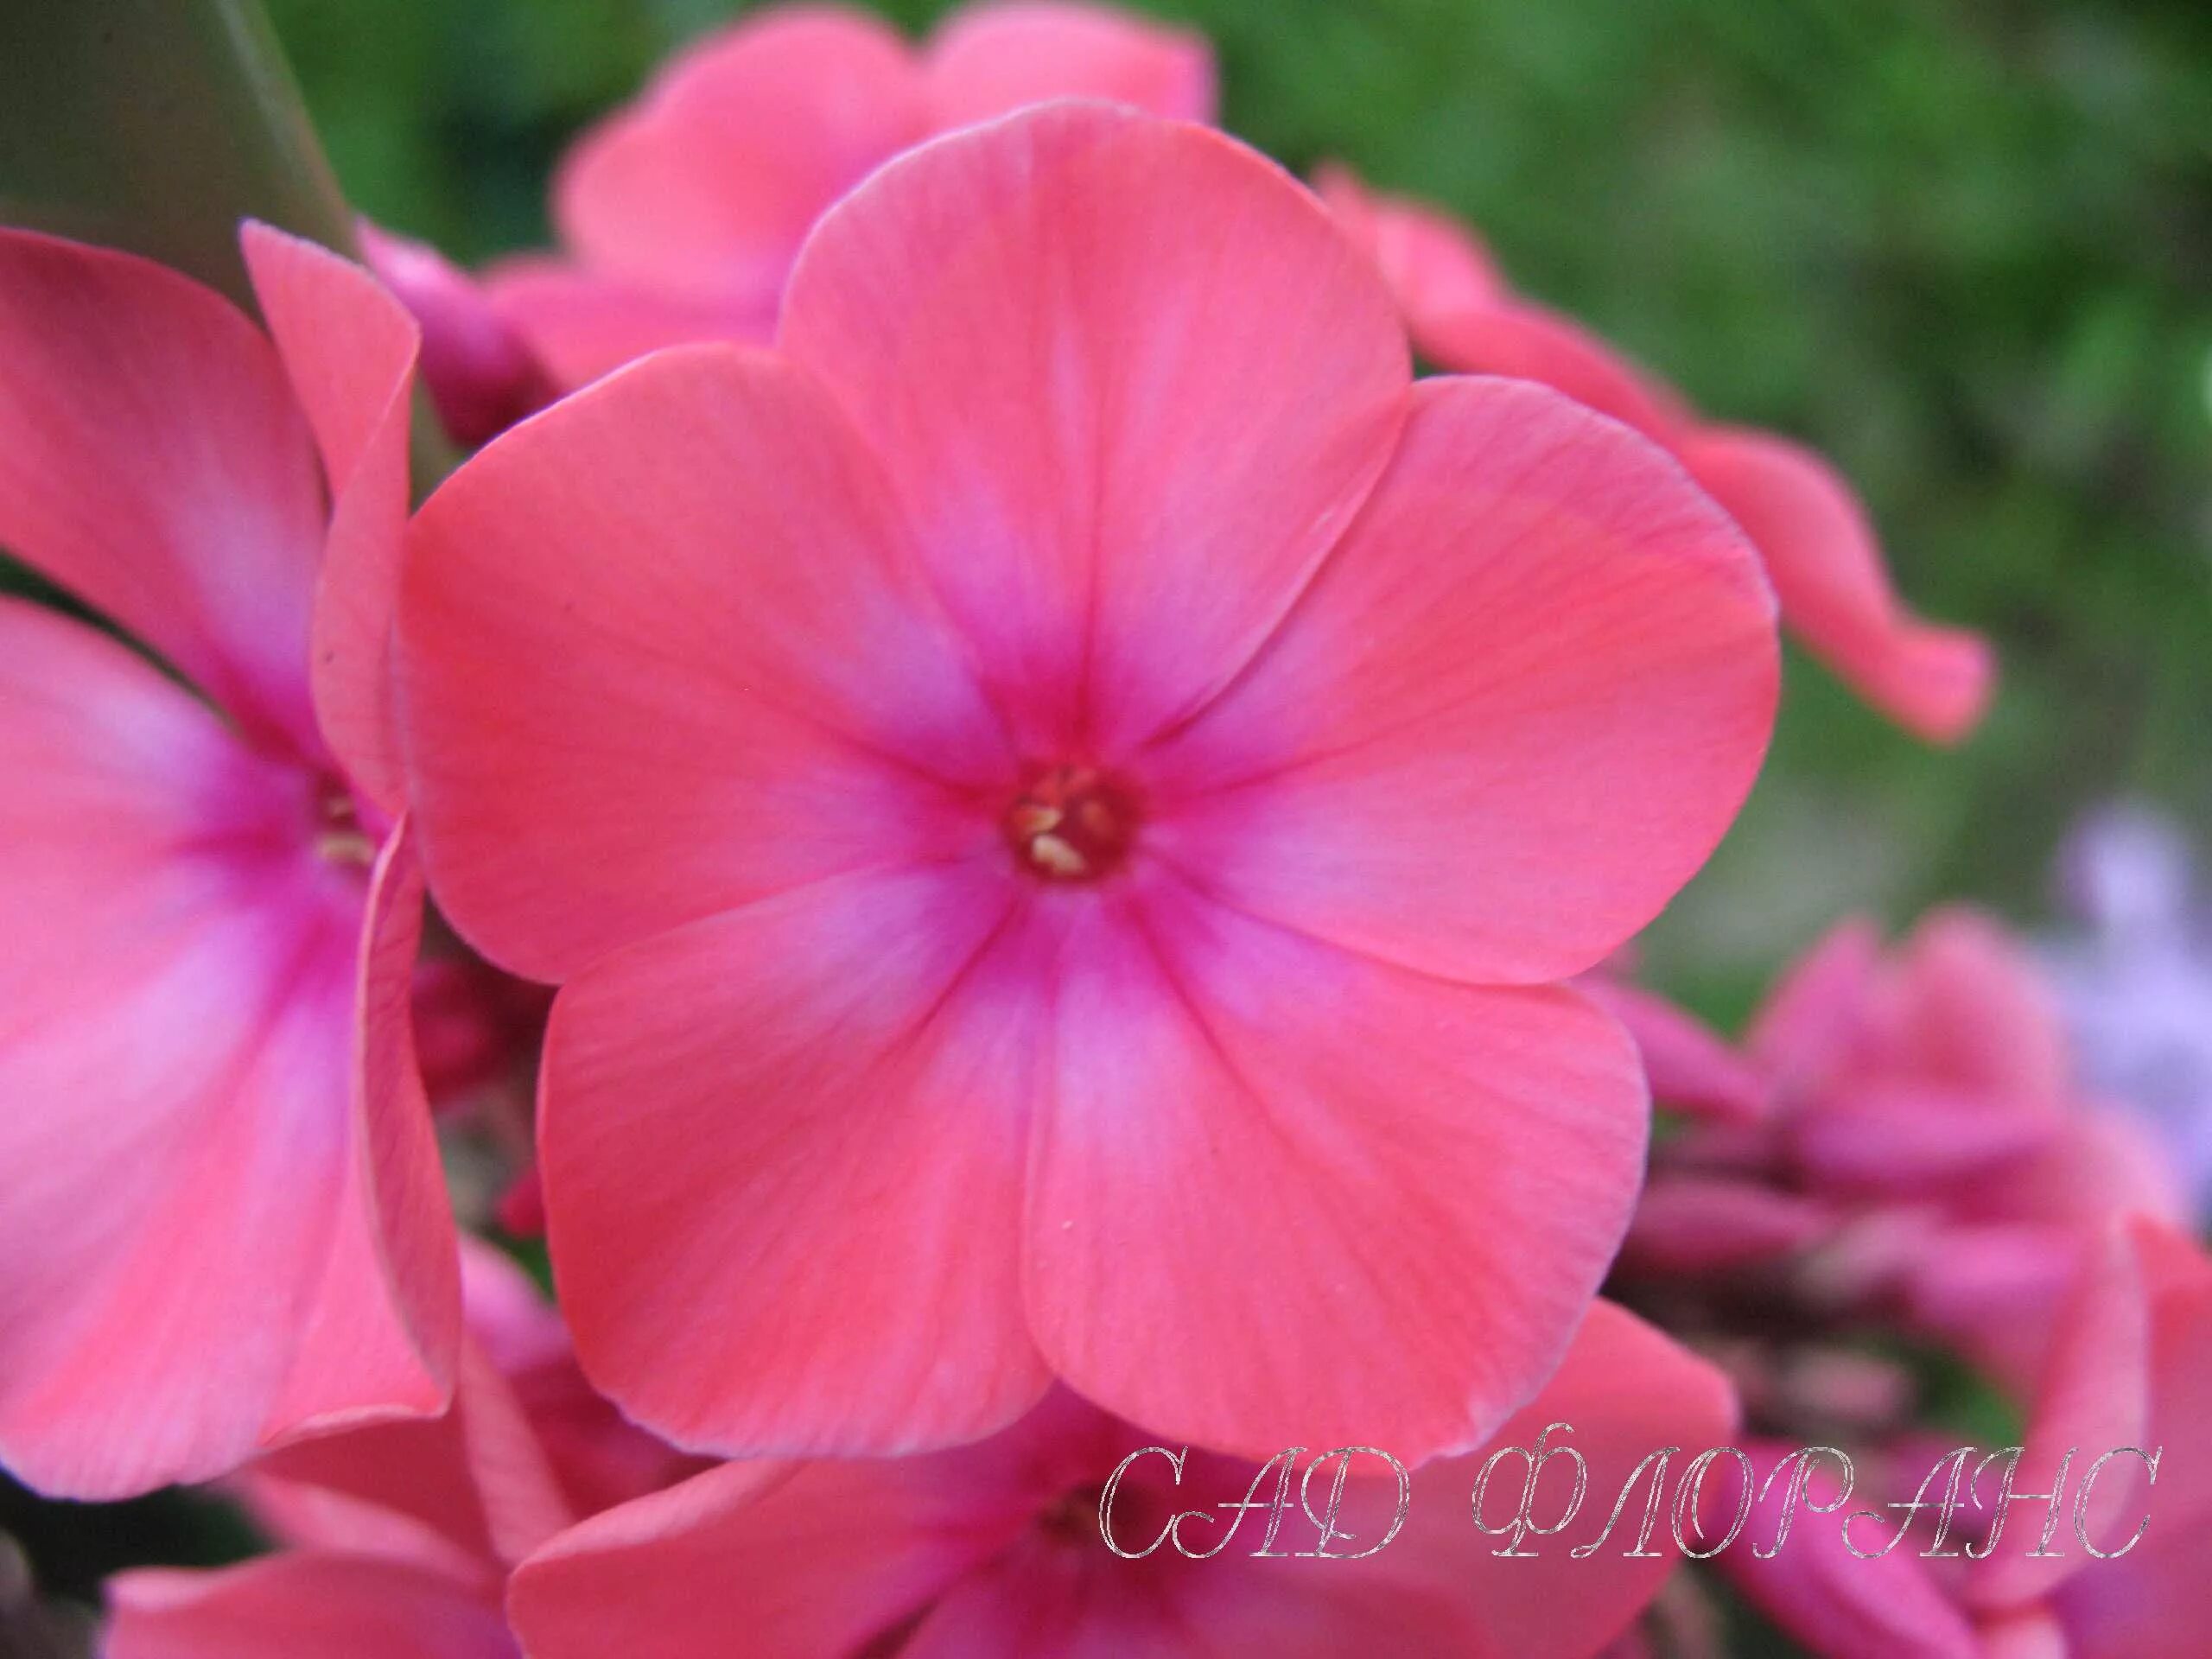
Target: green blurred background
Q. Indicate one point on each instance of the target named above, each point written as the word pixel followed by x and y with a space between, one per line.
pixel 1965 248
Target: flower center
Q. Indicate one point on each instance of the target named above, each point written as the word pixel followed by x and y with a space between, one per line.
pixel 1071 824
pixel 1073 1517
pixel 339 837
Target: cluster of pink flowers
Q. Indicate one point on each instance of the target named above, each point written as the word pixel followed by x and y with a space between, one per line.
pixel 1085 822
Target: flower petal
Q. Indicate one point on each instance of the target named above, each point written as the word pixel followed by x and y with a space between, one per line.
pixel 1693 1069
pixel 1907 1140
pixel 1435 1178
pixel 808 1560
pixel 2178 1274
pixel 1700 1223
pixel 1043 1600
pixel 1628 1390
pixel 1624 1389
pixel 282 1606
pixel 1810 1023
pixel 584 325
pixel 471 1491
pixel 1972 1009
pixel 665 650
pixel 1819 1592
pixel 1509 718
pixel 2128 1363
pixel 783 1159
pixel 2095 1394
pixel 989 59
pixel 2150 1606
pixel 350 349
pixel 1130 383
pixel 152 461
pixel 381 1335
pixel 482 376
pixel 708 184
pixel 176 1002
pixel 1835 593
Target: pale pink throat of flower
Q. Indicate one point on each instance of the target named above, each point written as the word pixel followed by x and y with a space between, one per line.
pixel 339 836
pixel 1070 822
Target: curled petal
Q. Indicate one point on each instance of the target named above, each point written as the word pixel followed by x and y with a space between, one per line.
pixel 1527 342
pixel 1691 1068
pixel 1694 1223
pixel 384 1325
pixel 811 1559
pixel 349 348
pixel 1835 592
pixel 1813 1587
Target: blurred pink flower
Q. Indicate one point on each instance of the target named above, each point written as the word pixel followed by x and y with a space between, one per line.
pixel 1929 1172
pixel 1819 550
pixel 683 213
pixel 1691 1068
pixel 1930 1154
pixel 1060 800
pixel 2131 1366
pixel 1837 1603
pixel 1938 1107
pixel 2127 1364
pixel 396 1541
pixel 993 1552
pixel 223 1217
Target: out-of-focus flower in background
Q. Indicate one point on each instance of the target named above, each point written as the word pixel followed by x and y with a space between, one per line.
pixel 681 215
pixel 2134 974
pixel 2129 1376
pixel 994 1550
pixel 1932 1186
pixel 1930 1167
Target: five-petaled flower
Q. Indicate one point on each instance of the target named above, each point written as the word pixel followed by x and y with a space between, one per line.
pixel 1060 798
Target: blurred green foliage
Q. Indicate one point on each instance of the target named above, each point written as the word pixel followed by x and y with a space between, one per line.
pixel 1965 248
